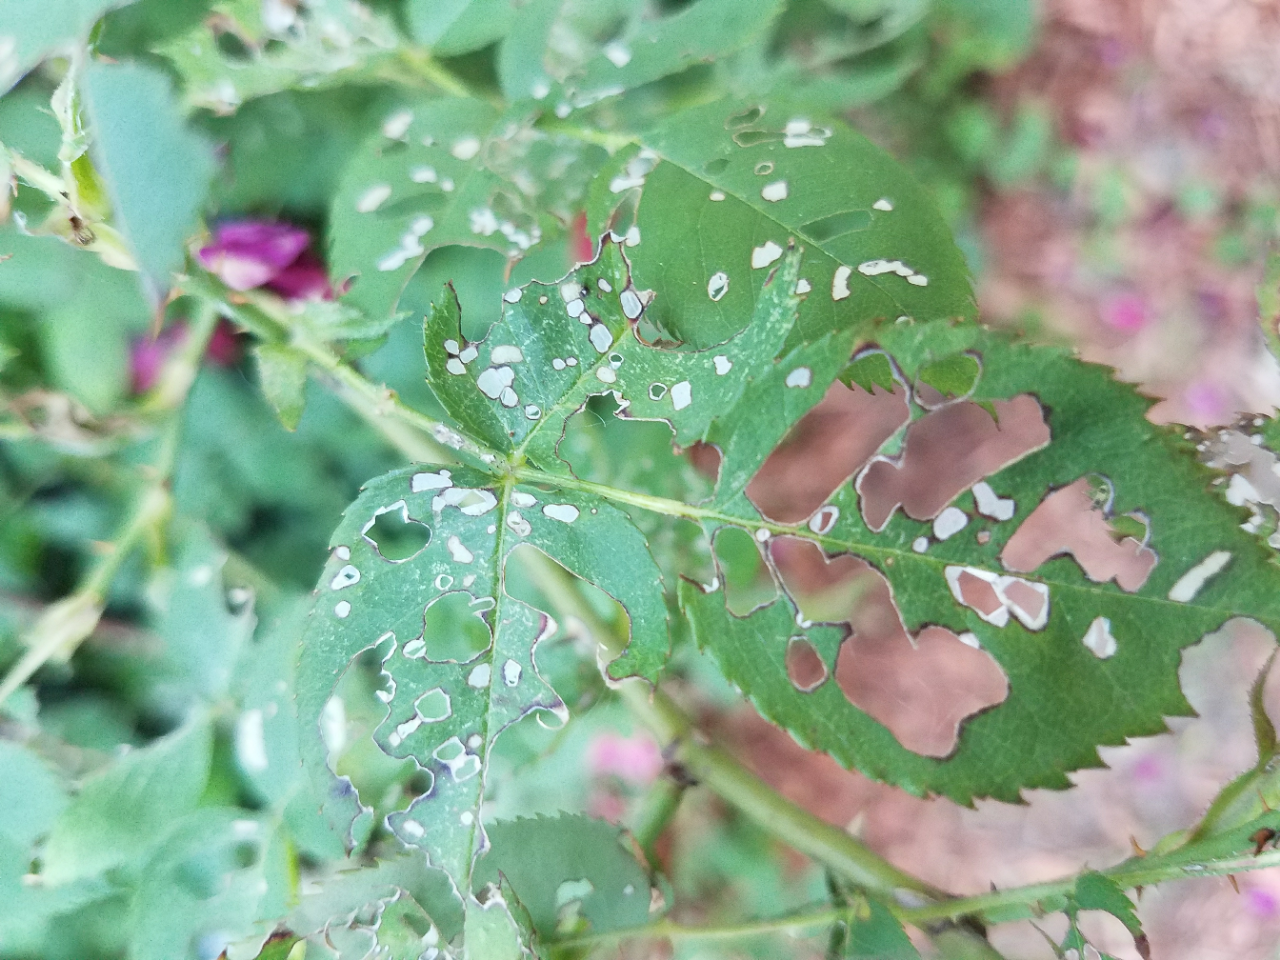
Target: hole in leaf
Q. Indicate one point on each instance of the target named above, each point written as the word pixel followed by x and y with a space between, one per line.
pixel 718 165
pixel 395 535
pixel 1026 599
pixel 947 379
pixel 454 628
pixel 751 138
pixel 1071 522
pixel 978 594
pixel 825 449
pixel 747 581
pixel 836 225
pixel 805 668
pixel 921 691
pixel 946 452
pixel 567 658
pixel 744 118
pixel 571 890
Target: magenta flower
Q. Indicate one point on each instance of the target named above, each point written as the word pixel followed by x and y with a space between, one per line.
pixel 636 760
pixel 264 253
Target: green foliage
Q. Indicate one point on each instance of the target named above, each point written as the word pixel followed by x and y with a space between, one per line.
pixel 567 870
pixel 155 170
pixel 199 756
pixel 35 31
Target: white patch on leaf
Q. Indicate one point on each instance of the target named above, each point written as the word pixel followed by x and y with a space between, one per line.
pixel 564 512
pixel 773 192
pixel 682 394
pixel 458 551
pixel 373 198
pixel 765 254
pixel 990 504
pixel 1099 640
pixel 1191 582
pixel 799 377
pixel 950 522
pixel 840 282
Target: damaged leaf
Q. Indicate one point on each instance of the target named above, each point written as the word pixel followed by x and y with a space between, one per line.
pixel 446 712
pixel 1066 641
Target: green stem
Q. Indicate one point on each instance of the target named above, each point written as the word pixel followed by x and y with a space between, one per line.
pixel 656 811
pixel 66 624
pixel 1014 903
pixel 419 437
pixel 740 788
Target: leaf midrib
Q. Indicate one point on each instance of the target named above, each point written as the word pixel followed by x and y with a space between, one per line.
pixel 679 509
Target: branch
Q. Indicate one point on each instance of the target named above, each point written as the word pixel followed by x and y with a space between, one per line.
pixel 66 624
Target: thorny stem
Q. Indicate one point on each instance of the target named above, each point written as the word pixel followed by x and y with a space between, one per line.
pixel 66 624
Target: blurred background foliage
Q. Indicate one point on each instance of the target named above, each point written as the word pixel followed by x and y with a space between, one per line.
pixel 1110 171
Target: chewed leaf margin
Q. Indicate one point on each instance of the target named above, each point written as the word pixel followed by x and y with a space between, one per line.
pixel 1077 696
pixel 444 713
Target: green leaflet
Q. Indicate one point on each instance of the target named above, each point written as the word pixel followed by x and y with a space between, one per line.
pixel 737 182
pixel 558 344
pixel 453 27
pixel 40 28
pixel 127 806
pixel 156 170
pixel 326 41
pixel 580 68
pixel 874 934
pixel 1095 664
pixel 448 171
pixel 442 712
pixel 498 927
pixel 539 855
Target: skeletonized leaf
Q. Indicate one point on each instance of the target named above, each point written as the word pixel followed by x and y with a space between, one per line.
pixel 722 190
pixel 446 706
pixel 400 905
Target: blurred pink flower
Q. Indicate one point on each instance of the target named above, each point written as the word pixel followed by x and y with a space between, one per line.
pixel 265 253
pixel 1126 312
pixel 636 760
pixel 1262 902
pixel 147 355
pixel 1207 402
